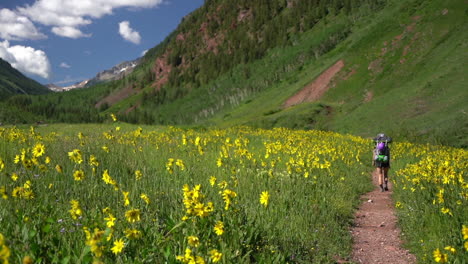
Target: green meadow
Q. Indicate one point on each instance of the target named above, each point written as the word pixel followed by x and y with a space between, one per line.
pixel 118 193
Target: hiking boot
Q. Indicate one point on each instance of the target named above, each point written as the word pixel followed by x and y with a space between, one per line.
pixel 385 186
pixel 381 188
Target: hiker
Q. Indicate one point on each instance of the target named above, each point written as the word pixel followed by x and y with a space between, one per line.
pixel 381 159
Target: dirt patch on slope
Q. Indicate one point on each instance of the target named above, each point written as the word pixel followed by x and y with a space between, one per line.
pixel 368 97
pixel 118 96
pixel 375 232
pixel 317 88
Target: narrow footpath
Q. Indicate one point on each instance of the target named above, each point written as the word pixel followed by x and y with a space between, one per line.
pixel 375 231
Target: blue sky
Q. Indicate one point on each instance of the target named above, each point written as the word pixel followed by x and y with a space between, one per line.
pixel 67 41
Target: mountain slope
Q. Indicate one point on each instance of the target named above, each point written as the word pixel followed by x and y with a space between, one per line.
pixel 13 82
pixel 358 67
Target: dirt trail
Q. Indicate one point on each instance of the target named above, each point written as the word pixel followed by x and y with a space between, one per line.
pixel 375 232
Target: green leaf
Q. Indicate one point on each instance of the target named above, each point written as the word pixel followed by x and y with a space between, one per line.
pixel 46 228
pixel 65 260
pixel 32 233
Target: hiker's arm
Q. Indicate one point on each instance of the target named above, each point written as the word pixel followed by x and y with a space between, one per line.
pixel 373 157
pixel 389 158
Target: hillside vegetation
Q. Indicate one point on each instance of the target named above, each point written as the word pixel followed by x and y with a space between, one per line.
pixel 403 65
pixel 13 82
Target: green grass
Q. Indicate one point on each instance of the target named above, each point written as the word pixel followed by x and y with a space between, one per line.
pixel 314 180
pixel 306 219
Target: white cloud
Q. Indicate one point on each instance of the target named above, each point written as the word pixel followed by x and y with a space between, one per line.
pixel 69 32
pixel 76 13
pixel 65 65
pixel 26 59
pixel 128 33
pixel 143 53
pixel 16 27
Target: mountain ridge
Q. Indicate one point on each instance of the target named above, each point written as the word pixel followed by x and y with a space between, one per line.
pixel 117 72
pixel 13 82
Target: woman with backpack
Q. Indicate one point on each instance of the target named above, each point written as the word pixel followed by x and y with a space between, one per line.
pixel 381 159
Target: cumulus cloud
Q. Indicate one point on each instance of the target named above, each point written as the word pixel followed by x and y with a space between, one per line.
pixel 65 65
pixel 128 33
pixel 26 59
pixel 75 13
pixel 69 32
pixel 143 53
pixel 17 27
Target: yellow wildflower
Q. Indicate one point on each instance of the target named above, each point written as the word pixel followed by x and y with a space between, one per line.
pixel 212 180
pixel 126 200
pixel 110 220
pixel 14 176
pixel 193 241
pixel 440 257
pixel 3 192
pixel 114 118
pixel 133 215
pixel 215 255
pixel 4 250
pixel 75 156
pixel 446 211
pixel 138 174
pixel 223 184
pixel 264 197
pixel 145 198
pixel 118 246
pixel 58 168
pixel 93 161
pixel 465 231
pixel 219 228
pixel 451 249
pixel 78 175
pixel 179 163
pixel 75 210
pixel 38 150
pixel 227 195
pixel 108 179
pixel 132 233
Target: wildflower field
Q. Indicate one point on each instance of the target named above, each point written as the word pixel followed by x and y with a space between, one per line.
pixel 122 194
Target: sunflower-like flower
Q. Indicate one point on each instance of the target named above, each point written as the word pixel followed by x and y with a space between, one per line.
pixel 264 197
pixel 75 156
pixel 38 150
pixel 133 215
pixel 219 228
pixel 78 175
pixel 118 246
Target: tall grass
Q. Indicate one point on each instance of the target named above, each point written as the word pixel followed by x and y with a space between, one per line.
pixel 431 196
pixel 125 194
pixel 312 179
